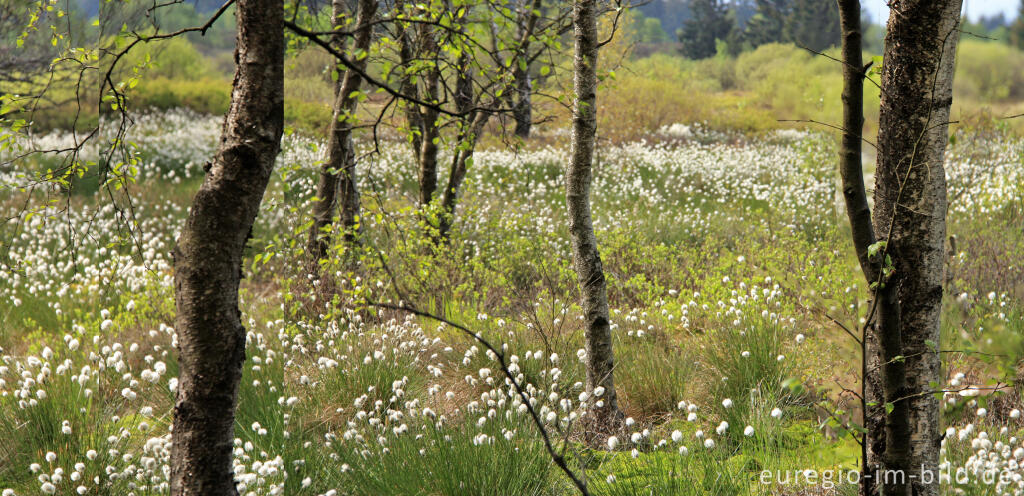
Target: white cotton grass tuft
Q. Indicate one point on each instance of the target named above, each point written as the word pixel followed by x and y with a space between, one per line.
pixel 331 346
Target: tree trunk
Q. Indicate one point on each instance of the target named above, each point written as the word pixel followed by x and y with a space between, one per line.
pixel 852 173
pixel 472 124
pixel 458 171
pixel 910 203
pixel 348 190
pixel 522 112
pixel 338 173
pixel 431 135
pixel 408 84
pixel 208 258
pixel 473 121
pixel 606 418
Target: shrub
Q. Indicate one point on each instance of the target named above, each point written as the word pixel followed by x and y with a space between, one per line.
pixel 206 96
pixel 989 72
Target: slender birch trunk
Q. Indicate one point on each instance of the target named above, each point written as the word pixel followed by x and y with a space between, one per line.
pixel 208 258
pixel 862 233
pixel 910 216
pixel 338 173
pixel 475 120
pixel 457 174
pixel 406 53
pixel 600 362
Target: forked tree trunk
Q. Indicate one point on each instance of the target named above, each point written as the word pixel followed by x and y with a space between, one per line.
pixel 338 173
pixel 208 258
pixel 430 132
pixel 910 215
pixel 457 174
pixel 474 120
pixel 472 123
pixel 859 213
pixel 600 363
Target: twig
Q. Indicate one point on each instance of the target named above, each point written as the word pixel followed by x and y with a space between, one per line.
pixel 557 457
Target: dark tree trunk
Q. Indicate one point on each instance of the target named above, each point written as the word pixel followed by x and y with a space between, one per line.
pixel 910 215
pixel 457 174
pixel 348 191
pixel 857 209
pixel 431 136
pixel 208 258
pixel 338 173
pixel 523 112
pixel 408 85
pixel 474 121
pixel 522 109
pixel 472 124
pixel 600 363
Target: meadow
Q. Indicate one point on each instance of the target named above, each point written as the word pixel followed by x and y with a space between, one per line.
pixel 731 279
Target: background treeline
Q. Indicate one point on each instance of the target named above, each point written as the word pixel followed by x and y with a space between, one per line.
pixel 755 70
pixel 702 28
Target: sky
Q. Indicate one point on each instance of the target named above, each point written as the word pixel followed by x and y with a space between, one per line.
pixel 975 8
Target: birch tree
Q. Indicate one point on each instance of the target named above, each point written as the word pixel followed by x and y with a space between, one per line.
pixel 910 219
pixel 901 248
pixel 208 258
pixel 337 183
pixel 600 363
pixel 863 235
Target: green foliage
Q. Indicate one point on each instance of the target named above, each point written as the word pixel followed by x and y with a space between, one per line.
pixel 697 473
pixel 651 31
pixel 986 72
pixel 768 23
pixel 813 24
pixel 1016 30
pixel 211 96
pixel 173 59
pixel 309 117
pixel 748 368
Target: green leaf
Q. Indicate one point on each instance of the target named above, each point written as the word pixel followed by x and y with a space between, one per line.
pixel 875 248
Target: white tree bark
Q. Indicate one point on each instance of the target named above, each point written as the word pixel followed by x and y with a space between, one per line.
pixel 586 259
pixel 910 215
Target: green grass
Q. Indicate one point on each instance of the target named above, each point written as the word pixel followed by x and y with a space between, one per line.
pixel 712 272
